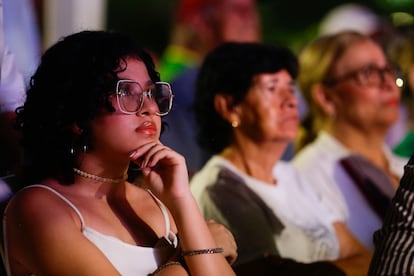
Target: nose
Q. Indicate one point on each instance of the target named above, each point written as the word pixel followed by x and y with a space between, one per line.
pixel 149 106
pixel 293 101
pixel 290 100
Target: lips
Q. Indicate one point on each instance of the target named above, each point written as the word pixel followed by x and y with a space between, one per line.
pixel 148 128
pixel 392 101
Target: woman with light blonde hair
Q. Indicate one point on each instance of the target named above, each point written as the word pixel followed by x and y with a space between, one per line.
pixel 350 87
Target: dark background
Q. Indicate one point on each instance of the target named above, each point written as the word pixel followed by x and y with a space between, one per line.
pixel 290 22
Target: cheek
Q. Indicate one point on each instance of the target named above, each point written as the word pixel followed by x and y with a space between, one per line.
pixel 272 117
pixel 108 128
pixel 113 127
pixel 353 99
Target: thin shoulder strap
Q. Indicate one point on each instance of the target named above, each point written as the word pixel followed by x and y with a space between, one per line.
pixel 4 252
pixel 61 197
pixel 170 236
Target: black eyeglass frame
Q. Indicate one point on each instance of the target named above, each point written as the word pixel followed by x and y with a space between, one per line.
pixel 364 75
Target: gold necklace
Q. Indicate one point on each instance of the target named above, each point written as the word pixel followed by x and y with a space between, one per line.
pixel 100 178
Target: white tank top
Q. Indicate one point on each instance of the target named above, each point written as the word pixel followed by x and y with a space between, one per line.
pixel 126 258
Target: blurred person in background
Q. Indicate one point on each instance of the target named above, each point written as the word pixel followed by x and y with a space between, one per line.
pixel 350 87
pixel 247 111
pixel 12 95
pixel 360 18
pixel 21 31
pixel 200 25
pixel 401 52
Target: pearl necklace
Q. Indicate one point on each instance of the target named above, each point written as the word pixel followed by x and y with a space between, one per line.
pixel 99 178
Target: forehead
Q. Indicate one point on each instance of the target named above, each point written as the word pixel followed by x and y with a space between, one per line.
pixel 134 70
pixel 238 3
pixel 264 78
pixel 360 54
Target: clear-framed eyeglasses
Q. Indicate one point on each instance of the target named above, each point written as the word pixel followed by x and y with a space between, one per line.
pixel 130 96
pixel 369 75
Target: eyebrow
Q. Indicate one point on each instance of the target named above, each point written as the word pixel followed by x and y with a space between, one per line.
pixel 147 83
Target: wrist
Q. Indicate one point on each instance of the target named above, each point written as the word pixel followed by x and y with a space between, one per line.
pixel 163 266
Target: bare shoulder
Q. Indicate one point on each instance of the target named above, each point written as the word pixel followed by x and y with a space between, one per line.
pixel 35 202
pixel 44 235
pixel 36 211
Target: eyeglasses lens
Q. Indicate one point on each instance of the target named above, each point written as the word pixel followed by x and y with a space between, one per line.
pixel 375 76
pixel 162 96
pixel 131 96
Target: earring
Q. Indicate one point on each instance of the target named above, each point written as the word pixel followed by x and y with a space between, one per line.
pixel 83 140
pixel 234 124
pixel 85 148
pixel 72 150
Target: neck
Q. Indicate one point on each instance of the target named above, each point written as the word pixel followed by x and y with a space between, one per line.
pixel 357 138
pixel 368 144
pixel 255 161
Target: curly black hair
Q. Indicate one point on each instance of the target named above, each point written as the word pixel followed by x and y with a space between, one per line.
pixel 230 69
pixel 70 86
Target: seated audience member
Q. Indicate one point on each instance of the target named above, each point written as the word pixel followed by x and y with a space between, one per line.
pixel 93 108
pixel 401 52
pixel 247 112
pixel 353 99
pixel 394 242
pixel 200 26
pixel 12 95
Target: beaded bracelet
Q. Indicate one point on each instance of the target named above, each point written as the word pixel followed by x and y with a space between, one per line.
pixel 202 251
pixel 161 267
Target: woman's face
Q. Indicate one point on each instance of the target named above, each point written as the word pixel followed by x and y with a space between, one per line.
pixel 238 21
pixel 120 133
pixel 269 110
pixel 359 100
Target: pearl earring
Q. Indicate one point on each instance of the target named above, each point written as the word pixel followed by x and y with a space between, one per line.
pixel 234 124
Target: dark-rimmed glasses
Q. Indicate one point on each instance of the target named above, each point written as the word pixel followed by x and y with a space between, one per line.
pixel 130 96
pixel 369 75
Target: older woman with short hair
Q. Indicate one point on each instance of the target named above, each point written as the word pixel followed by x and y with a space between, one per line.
pixel 247 113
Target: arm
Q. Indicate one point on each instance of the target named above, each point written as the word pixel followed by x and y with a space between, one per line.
pixel 42 240
pixel 394 242
pixel 166 174
pixel 354 258
pixel 224 239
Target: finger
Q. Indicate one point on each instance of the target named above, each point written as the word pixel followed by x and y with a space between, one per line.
pixel 154 154
pixel 141 151
pixel 143 154
pixel 211 221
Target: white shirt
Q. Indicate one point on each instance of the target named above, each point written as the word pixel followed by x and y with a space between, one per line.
pixel 308 235
pixel 12 88
pixel 319 164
